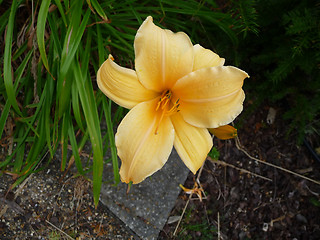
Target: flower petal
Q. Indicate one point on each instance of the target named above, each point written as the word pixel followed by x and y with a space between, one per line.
pixel 162 57
pixel 192 143
pixel 224 132
pixel 141 151
pixel 121 85
pixel 204 58
pixel 211 97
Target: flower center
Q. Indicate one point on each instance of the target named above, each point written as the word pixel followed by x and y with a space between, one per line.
pixel 166 107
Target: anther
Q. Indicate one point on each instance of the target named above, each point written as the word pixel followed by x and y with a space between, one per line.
pixel 163 105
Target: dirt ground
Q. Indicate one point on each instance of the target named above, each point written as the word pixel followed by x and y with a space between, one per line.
pixel 267 203
pixel 53 205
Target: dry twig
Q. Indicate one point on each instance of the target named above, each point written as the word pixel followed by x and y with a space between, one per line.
pixel 187 203
pixel 240 169
pixel 64 233
pixel 238 144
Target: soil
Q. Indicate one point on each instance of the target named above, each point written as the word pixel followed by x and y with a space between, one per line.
pixel 239 205
pixel 264 203
pixel 55 205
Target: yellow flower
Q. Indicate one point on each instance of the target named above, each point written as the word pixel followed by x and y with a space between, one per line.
pixel 175 94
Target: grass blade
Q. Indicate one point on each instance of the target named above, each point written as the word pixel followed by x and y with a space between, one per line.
pixel 68 55
pixel 4 116
pixel 98 9
pixel 91 115
pixel 7 69
pixel 64 139
pixel 59 5
pixel 41 25
pixel 113 149
pixel 75 148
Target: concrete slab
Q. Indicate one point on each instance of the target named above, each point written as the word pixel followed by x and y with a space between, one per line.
pixel 146 208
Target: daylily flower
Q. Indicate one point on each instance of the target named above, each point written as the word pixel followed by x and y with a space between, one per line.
pixel 175 94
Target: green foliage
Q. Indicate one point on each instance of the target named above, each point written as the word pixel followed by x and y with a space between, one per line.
pixel 204 231
pixel 283 60
pixel 53 101
pixel 245 13
pixel 315 201
pixel 214 153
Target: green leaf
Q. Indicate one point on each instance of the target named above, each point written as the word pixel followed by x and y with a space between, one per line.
pixel 91 115
pixel 4 116
pixel 315 201
pixel 6 109
pixel 114 156
pixel 70 48
pixel 21 151
pixel 64 139
pixel 98 8
pixel 214 154
pixel 75 148
pixel 3 20
pixel 41 25
pixel 7 69
pixel 59 5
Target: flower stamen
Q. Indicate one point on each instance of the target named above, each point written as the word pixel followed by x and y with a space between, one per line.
pixel 174 109
pixel 164 99
pixel 163 105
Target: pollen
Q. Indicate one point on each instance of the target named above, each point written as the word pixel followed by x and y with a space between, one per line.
pixel 166 107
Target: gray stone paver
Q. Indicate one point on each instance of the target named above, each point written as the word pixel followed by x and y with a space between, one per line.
pixel 147 206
